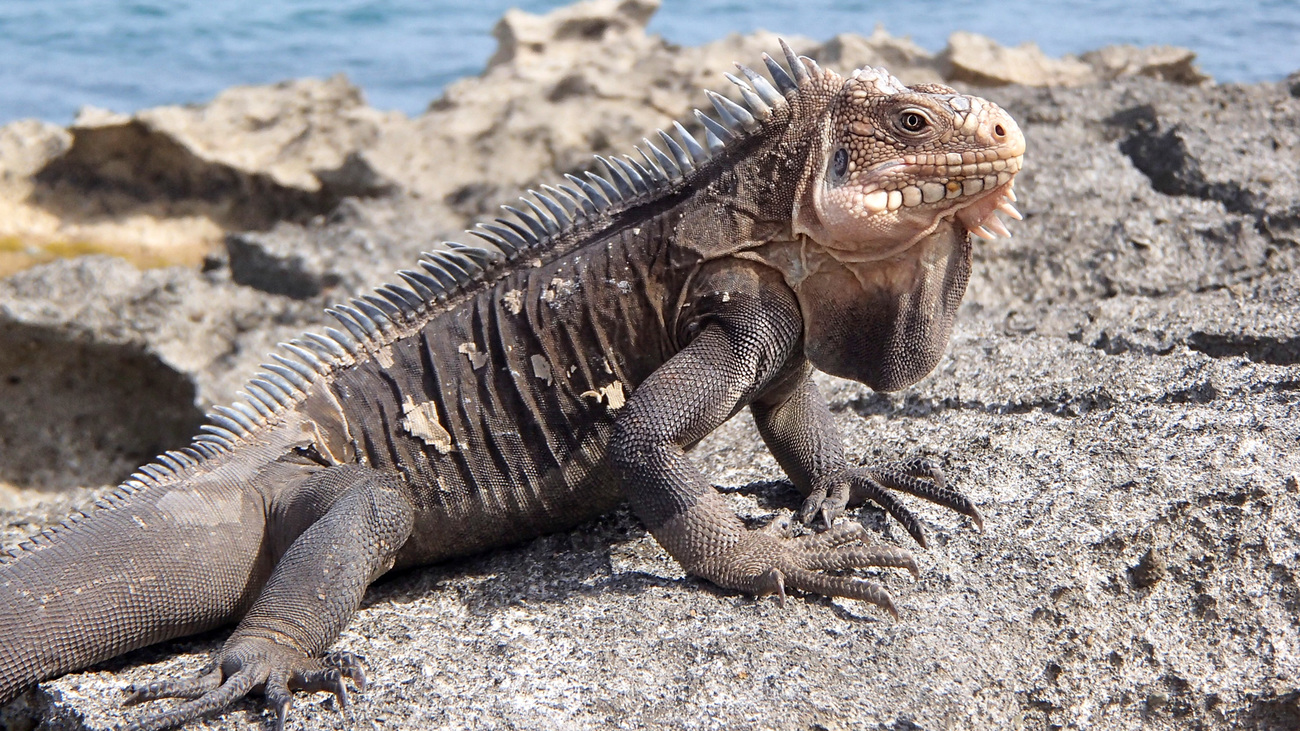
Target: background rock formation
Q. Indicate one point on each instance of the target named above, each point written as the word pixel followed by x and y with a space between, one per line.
pixel 1121 397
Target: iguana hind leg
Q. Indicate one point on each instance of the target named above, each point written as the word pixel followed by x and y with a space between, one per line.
pixel 355 520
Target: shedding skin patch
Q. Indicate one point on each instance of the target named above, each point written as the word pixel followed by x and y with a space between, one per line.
pixel 319 441
pixel 192 508
pixel 612 395
pixel 558 290
pixel 542 368
pixel 421 421
pixel 513 301
pixel 470 350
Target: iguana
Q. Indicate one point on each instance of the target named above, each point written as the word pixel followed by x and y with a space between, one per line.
pixel 526 386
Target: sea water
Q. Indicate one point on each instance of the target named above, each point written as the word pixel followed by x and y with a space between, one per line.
pixel 124 55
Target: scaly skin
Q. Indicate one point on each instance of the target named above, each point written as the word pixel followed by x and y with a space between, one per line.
pixel 491 402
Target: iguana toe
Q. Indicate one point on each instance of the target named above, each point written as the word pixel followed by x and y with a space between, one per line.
pixel 919 477
pixel 185 688
pixel 240 667
pixel 769 564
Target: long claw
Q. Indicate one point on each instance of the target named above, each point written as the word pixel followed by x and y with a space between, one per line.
pixel 329 679
pixel 282 708
pixel 779 580
pixel 251 663
pixel 1010 210
pixel 236 686
pixel 924 468
pixel 828 515
pixel 350 665
pixel 341 693
pixel 861 556
pixel 935 490
pixel 808 511
pixel 888 603
pixel 876 492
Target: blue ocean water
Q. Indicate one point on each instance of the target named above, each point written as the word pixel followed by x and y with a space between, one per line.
pixel 125 55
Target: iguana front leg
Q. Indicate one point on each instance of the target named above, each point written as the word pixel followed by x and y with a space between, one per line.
pixel 738 352
pixel 346 523
pixel 797 427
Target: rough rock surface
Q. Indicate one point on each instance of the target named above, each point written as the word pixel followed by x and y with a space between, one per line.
pixel 1121 399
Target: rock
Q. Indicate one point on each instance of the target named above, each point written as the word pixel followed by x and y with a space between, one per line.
pixel 282 131
pixel 903 58
pixel 28 145
pixel 1149 571
pixel 579 81
pixel 524 38
pixel 161 186
pixel 354 177
pixel 1167 63
pixel 982 61
pixel 359 244
pixel 64 373
pixel 251 154
pixel 102 364
pixel 272 263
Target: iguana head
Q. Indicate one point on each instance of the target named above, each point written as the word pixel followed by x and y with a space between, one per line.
pixel 898 160
pixel 896 179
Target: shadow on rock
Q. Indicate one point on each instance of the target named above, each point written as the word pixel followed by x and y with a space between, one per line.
pixel 85 413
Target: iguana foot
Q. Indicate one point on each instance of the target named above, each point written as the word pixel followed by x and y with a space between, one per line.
pixel 767 562
pixel 241 667
pixel 919 477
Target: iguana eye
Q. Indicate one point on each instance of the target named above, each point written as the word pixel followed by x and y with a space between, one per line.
pixel 840 163
pixel 913 121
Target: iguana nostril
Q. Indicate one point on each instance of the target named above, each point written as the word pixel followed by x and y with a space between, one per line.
pixel 997 130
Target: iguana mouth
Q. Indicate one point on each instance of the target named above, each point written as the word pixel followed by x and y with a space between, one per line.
pixel 981 217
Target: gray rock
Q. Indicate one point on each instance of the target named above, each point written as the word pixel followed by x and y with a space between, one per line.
pixel 28 145
pixel 102 364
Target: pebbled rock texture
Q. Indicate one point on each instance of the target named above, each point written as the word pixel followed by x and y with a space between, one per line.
pixel 1121 399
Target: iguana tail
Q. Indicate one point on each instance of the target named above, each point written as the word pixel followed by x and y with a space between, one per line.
pixel 145 564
